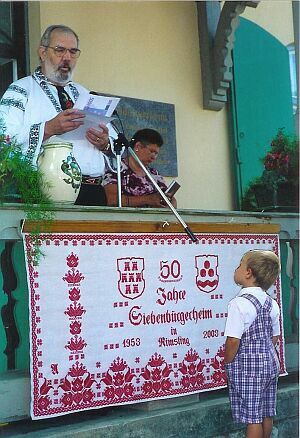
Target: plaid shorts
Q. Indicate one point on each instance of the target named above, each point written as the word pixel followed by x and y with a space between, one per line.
pixel 253 374
pixel 252 398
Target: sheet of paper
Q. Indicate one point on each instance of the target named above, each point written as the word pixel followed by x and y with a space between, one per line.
pixel 90 121
pixel 97 109
pixel 97 105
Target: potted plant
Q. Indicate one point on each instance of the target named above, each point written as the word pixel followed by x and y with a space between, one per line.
pixel 22 182
pixel 278 186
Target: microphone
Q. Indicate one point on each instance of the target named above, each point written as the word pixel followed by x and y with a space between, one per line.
pixel 120 142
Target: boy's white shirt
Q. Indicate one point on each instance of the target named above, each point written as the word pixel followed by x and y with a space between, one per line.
pixel 241 313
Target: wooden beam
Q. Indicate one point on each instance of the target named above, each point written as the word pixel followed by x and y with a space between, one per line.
pixel 67 226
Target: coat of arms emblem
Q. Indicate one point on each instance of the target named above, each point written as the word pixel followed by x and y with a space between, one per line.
pixel 207 278
pixel 131 282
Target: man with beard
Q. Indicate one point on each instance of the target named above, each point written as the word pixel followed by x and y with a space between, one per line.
pixel 40 106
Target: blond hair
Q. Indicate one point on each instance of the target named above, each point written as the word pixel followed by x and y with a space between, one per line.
pixel 265 267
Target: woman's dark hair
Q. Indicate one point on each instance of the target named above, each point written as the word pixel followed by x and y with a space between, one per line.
pixel 147 136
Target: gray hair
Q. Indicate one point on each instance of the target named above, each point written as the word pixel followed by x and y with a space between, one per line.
pixel 45 39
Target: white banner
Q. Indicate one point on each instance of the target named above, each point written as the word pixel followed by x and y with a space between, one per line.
pixel 126 318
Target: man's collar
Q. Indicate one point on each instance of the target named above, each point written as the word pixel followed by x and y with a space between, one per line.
pixel 39 76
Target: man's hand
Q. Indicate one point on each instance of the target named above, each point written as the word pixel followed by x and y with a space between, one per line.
pixel 99 138
pixel 65 121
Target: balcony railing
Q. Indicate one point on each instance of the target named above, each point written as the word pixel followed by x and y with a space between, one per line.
pixel 14 320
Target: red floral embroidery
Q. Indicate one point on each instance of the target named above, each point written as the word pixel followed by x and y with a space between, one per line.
pixel 77 389
pixel 75 311
pixel 73 277
pixel 72 260
pixel 75 328
pixel 191 369
pixel 118 381
pixel 219 375
pixel 74 294
pixel 156 376
pixel 44 401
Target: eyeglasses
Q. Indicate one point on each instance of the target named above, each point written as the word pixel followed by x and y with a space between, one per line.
pixel 61 51
pixel 154 152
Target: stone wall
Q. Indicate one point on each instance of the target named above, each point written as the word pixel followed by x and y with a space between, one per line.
pixel 182 417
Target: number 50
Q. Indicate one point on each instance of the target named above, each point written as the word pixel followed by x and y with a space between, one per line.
pixel 170 269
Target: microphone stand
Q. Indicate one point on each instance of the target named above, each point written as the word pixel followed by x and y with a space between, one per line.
pixel 118 145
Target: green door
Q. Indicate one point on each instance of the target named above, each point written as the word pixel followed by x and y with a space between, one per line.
pixel 14 56
pixel 261 99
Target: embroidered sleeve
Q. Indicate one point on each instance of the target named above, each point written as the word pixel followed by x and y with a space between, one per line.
pixel 12 112
pixel 34 136
pixel 12 103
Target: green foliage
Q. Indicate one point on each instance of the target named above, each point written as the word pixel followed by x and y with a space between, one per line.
pixel 249 202
pixel 281 165
pixel 22 182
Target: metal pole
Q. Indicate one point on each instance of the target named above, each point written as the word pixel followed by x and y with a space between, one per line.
pixel 165 198
pixel 119 180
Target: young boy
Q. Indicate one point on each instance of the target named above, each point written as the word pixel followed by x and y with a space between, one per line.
pixel 252 330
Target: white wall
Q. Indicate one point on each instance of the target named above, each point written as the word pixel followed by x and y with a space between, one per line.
pixel 275 16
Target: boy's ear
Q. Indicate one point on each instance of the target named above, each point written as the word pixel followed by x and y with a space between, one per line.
pixel 249 273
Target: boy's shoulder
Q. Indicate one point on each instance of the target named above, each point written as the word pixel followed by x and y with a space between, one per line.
pixel 257 294
pixel 238 303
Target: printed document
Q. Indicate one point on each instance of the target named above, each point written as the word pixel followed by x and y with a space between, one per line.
pixel 97 109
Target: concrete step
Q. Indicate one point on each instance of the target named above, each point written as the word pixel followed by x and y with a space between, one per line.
pixel 208 417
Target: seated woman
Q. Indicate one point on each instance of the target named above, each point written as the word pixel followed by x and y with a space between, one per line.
pixel 137 189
